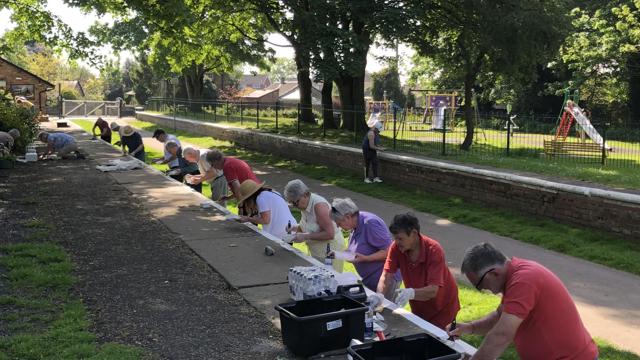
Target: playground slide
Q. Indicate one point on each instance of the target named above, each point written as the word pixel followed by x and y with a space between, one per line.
pixel 585 124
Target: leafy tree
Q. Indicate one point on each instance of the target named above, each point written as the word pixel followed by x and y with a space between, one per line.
pixel 388 80
pixel 113 86
pixel 603 53
pixel 466 38
pixel 282 68
pixel 194 38
pixel 35 23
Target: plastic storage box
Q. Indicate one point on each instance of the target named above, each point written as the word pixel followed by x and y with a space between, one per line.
pixel 412 347
pixel 321 324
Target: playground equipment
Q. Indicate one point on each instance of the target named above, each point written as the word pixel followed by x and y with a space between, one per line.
pixel 436 103
pixel 382 108
pixel 572 113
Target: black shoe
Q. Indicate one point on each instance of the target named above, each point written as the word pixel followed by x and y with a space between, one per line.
pixel 80 156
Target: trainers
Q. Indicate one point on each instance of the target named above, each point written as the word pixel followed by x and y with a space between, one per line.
pixel 367 180
pixel 377 180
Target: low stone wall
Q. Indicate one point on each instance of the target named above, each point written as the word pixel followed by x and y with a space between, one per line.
pixel 604 209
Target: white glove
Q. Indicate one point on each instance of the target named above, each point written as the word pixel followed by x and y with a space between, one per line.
pixel 403 296
pixel 375 300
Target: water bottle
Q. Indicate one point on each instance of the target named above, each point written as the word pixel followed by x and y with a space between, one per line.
pixel 327 260
pixel 368 323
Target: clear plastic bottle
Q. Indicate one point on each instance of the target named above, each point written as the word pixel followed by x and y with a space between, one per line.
pixel 368 323
pixel 328 261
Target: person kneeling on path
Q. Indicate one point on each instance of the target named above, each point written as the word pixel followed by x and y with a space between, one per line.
pixel 430 288
pixel 105 130
pixel 316 228
pixel 266 207
pixel 370 147
pixel 369 241
pixel 60 144
pixel 131 142
pixel 170 159
pixel 7 139
pixel 206 172
pixel 536 311
pixel 235 171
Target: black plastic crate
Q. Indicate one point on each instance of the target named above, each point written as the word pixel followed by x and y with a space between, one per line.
pixel 321 324
pixel 355 291
pixel 412 347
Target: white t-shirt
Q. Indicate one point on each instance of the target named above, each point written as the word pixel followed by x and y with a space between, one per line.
pixel 167 154
pixel 204 166
pixel 280 213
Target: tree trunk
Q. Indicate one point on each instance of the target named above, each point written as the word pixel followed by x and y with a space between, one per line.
pixel 327 105
pixel 194 83
pixel 345 91
pixel 302 58
pixel 468 111
pixel 633 66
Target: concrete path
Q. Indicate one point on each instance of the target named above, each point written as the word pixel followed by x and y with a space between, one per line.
pixel 608 300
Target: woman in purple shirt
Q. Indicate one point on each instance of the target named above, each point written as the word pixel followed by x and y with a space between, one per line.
pixel 369 241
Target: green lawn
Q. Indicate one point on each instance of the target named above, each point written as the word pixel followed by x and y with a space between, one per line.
pixel 44 318
pixel 622 170
pixel 588 244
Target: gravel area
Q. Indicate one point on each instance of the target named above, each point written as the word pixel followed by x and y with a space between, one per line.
pixel 141 284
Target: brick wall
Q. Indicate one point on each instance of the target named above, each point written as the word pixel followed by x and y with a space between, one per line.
pixel 576 208
pixel 16 76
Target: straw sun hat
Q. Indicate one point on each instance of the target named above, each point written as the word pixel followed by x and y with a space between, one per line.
pixel 126 130
pixel 248 188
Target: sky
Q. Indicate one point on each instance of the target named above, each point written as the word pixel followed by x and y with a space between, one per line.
pixel 79 21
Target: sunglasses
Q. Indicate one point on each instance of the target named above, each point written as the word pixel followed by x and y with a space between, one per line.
pixel 482 278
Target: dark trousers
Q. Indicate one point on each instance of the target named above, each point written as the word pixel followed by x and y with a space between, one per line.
pixel 140 155
pixel 370 162
pixel 106 138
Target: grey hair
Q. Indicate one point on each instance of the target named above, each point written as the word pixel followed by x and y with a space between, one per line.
pixel 343 207
pixel 294 190
pixel 189 150
pixel 480 257
pixel 171 144
pixel 15 133
pixel 214 155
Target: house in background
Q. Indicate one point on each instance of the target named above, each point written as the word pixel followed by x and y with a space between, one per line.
pixel 287 93
pixel 20 82
pixel 256 82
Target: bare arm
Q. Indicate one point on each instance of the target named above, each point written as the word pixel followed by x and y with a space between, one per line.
pixel 264 218
pixel 235 189
pixel 380 255
pixel 138 149
pixel 426 293
pixel 385 284
pixel 327 230
pixel 499 337
pixel 480 327
pixel 93 130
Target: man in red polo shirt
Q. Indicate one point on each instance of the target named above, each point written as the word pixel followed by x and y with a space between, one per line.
pixel 235 171
pixel 536 313
pixel 430 287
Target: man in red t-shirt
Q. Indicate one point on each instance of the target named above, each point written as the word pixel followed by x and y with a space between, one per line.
pixel 536 313
pixel 235 171
pixel 430 287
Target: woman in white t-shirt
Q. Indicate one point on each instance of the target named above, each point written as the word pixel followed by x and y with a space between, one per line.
pixel 265 207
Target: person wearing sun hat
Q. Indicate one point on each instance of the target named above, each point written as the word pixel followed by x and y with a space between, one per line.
pixel 265 207
pixel 370 147
pixel 132 141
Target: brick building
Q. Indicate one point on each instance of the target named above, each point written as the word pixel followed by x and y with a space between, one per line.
pixel 20 82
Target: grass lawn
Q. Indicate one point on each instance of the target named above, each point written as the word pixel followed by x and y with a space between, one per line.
pixel 623 170
pixel 620 253
pixel 39 311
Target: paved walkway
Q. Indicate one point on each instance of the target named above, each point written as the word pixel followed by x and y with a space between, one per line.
pixel 608 300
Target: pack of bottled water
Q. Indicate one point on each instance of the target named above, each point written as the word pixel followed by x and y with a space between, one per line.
pixel 306 282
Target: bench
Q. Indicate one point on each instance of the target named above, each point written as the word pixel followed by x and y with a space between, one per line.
pixel 574 149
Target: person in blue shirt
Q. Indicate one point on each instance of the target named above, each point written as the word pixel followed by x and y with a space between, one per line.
pixel 61 144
